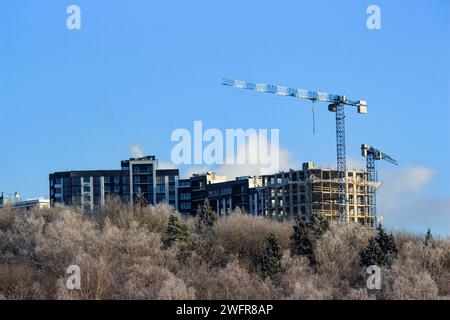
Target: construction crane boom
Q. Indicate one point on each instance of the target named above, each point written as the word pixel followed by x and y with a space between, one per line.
pixel 336 104
pixel 372 154
pixel 296 93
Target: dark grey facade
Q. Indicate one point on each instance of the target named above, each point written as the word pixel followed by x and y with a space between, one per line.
pixel 91 188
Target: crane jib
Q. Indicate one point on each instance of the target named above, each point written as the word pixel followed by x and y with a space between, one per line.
pixel 291 92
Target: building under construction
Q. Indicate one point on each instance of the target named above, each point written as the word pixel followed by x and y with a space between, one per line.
pixel 312 190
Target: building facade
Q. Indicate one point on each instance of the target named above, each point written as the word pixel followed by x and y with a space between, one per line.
pixel 91 188
pixel 16 202
pixel 312 190
pixel 283 195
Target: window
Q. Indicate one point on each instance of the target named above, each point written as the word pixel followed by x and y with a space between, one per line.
pixel 125 179
pixel 184 183
pixel 171 197
pixel 58 181
pixel 107 189
pixel 160 188
pixel 57 190
pixel 86 189
pixel 185 196
pixel 116 180
pixel 185 206
pixel 107 180
pixel 87 179
pixel 171 178
pixel 137 179
pixel 226 191
pixel 126 189
pixel 116 189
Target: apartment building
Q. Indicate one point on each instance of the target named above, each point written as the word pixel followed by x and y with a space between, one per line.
pixel 91 188
pixel 311 190
pixel 223 195
pixel 16 202
pixel 283 195
pixel 88 188
pixel 184 197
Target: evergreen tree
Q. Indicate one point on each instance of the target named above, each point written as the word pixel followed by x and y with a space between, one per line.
pixel 381 249
pixel 319 224
pixel 387 244
pixel 301 243
pixel 271 260
pixel 429 239
pixel 372 254
pixel 176 232
pixel 141 200
pixel 206 218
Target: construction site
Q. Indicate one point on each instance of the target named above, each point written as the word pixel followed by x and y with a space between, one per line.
pixel 346 195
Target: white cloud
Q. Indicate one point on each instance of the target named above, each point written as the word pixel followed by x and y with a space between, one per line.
pixel 137 151
pixel 237 170
pixel 166 165
pixel 403 203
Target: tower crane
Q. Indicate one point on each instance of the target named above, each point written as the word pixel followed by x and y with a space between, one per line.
pixel 336 104
pixel 372 154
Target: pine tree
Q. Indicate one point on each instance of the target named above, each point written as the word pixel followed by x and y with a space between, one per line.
pixel 141 200
pixel 271 260
pixel 429 240
pixel 381 249
pixel 176 232
pixel 301 243
pixel 206 218
pixel 372 254
pixel 387 245
pixel 319 224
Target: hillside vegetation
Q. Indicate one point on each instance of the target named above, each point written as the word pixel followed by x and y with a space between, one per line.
pixel 127 252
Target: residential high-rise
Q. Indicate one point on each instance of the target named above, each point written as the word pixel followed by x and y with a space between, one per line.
pixel 90 188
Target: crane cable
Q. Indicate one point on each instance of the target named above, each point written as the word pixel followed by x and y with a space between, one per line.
pixel 313 116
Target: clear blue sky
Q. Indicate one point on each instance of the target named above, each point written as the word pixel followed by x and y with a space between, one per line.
pixel 139 69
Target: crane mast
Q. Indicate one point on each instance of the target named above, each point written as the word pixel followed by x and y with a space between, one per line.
pixel 336 104
pixel 372 154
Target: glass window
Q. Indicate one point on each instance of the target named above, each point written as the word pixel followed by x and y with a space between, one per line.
pixel 116 189
pixel 116 180
pixel 185 205
pixel 107 180
pixel 185 196
pixel 107 189
pixel 86 189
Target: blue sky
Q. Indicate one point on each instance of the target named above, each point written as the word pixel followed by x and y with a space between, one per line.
pixel 137 70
